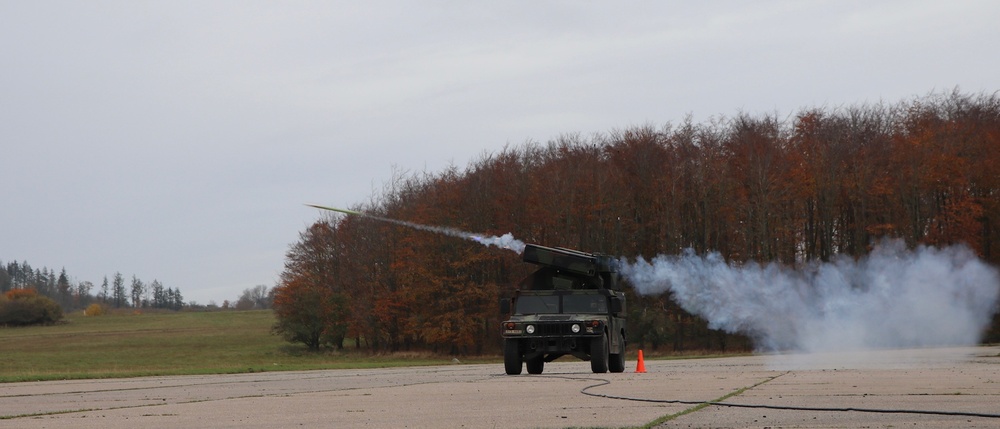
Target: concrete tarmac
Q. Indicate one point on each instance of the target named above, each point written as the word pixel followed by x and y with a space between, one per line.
pixel 937 388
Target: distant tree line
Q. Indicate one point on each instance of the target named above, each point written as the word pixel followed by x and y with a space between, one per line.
pixel 256 298
pixel 72 295
pixel 819 183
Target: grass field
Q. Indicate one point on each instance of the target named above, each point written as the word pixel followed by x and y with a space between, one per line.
pixel 131 345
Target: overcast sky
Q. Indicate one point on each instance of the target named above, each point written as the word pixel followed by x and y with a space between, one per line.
pixel 178 140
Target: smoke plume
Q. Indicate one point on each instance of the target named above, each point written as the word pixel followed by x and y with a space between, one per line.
pixel 892 298
pixel 506 241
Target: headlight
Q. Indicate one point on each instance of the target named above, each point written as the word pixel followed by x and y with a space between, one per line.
pixel 529 329
pixel 575 328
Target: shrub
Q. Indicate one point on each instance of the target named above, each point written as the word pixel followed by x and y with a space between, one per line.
pixel 26 307
pixel 20 293
pixel 95 309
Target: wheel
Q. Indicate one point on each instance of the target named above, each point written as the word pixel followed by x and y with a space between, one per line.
pixel 616 361
pixel 599 354
pixel 535 365
pixel 511 357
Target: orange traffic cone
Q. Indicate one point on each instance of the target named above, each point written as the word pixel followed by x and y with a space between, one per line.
pixel 641 366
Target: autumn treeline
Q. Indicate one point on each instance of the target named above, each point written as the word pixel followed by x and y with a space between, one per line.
pixel 821 182
pixel 72 295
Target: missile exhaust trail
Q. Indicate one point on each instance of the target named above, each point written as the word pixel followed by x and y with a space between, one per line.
pixel 506 241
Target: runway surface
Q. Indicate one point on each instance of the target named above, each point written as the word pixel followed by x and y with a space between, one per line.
pixel 957 387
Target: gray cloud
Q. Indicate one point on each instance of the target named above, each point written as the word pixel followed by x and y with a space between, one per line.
pixel 178 140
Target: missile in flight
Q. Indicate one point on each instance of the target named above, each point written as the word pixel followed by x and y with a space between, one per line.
pixel 344 211
pixel 506 241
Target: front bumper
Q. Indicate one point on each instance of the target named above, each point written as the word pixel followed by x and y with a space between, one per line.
pixel 553 339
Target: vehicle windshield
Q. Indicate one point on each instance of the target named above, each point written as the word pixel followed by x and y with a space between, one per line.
pixel 585 304
pixel 549 304
pixel 530 304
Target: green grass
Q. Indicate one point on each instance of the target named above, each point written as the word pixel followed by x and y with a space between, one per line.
pixel 132 345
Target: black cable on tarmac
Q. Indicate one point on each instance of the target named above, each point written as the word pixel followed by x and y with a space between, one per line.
pixel 603 382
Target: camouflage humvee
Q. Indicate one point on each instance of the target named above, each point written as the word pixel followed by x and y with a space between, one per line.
pixel 570 305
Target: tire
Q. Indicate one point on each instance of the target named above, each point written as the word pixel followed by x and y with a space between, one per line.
pixel 599 354
pixel 616 361
pixel 511 357
pixel 536 365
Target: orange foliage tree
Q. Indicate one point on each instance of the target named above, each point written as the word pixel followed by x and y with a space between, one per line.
pixel 822 183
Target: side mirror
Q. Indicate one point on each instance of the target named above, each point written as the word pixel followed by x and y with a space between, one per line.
pixel 617 305
pixel 505 305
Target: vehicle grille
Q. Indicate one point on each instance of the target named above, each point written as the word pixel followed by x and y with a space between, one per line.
pixel 553 329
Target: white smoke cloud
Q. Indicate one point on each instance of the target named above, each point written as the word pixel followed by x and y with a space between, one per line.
pixel 894 297
pixel 506 241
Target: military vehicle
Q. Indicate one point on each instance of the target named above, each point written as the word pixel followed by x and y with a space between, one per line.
pixel 571 305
